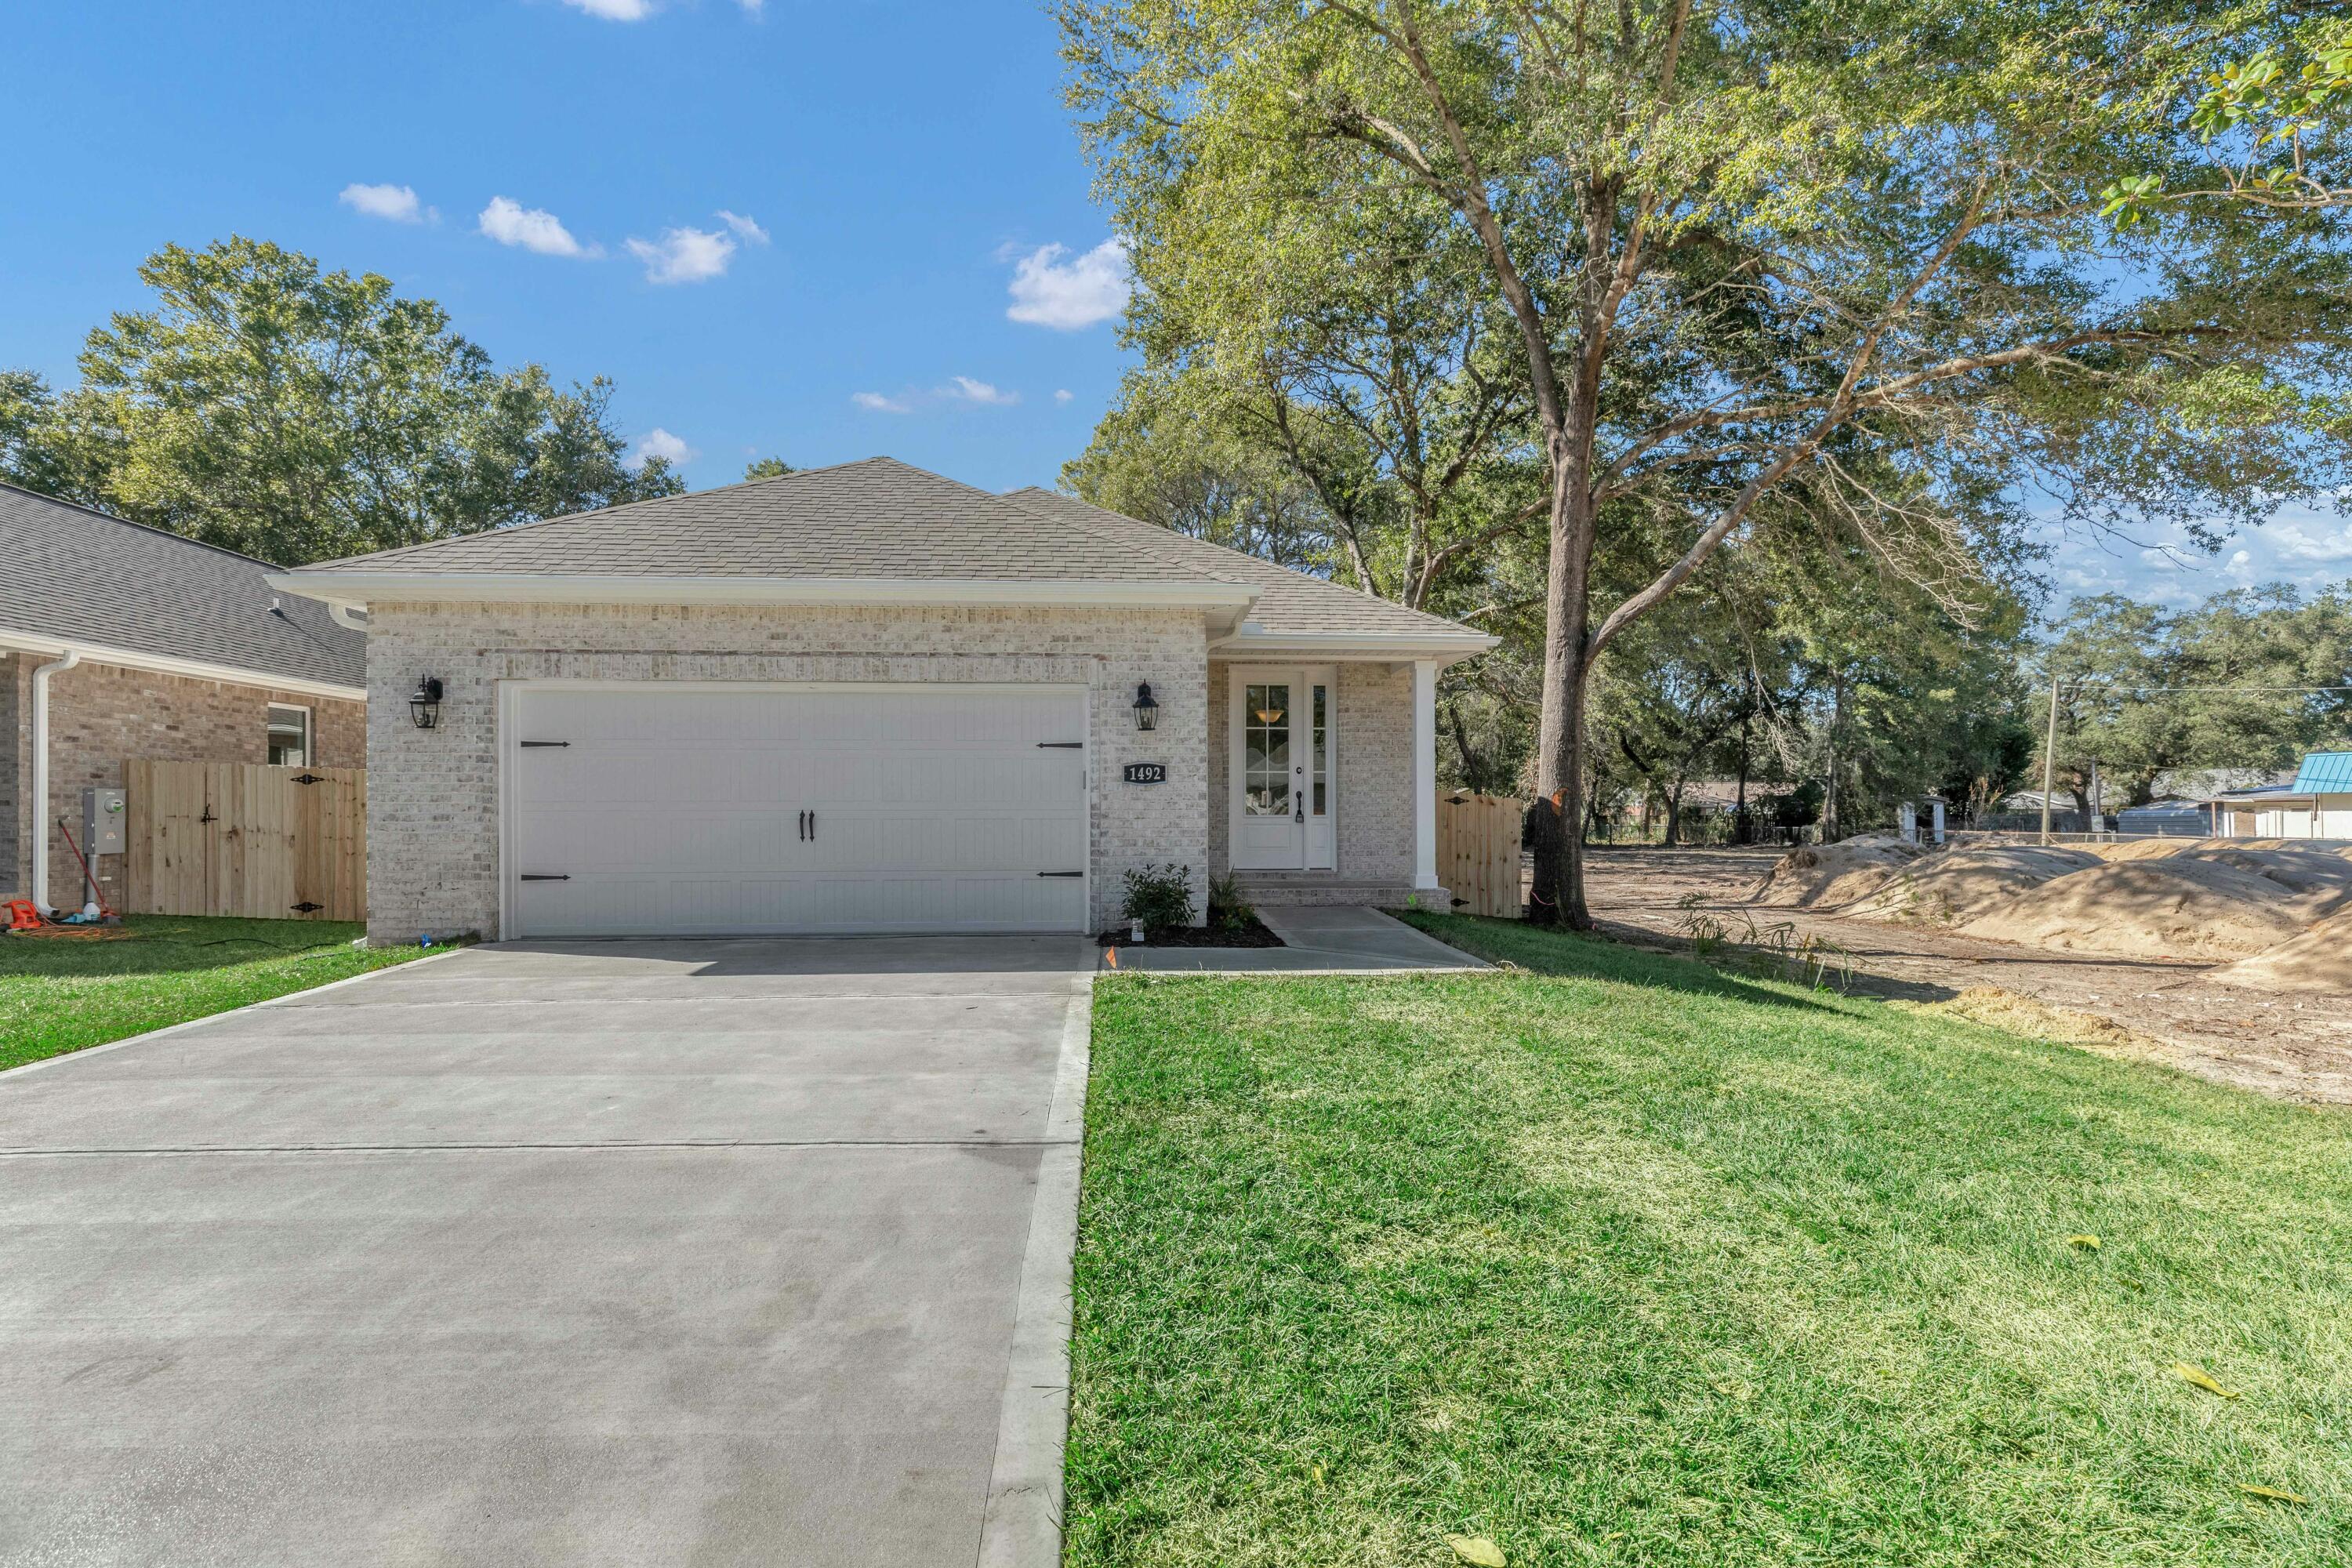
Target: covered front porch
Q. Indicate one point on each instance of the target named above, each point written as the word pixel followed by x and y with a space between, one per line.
pixel 1322 778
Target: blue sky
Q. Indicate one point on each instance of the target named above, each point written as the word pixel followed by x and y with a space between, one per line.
pixel 902 162
pixel 816 230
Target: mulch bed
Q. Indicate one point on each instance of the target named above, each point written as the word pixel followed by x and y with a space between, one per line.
pixel 1250 933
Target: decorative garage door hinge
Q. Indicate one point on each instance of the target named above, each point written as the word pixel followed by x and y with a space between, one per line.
pixel 1061 745
pixel 530 743
pixel 308 779
pixel 1061 873
pixel 547 876
pixel 306 906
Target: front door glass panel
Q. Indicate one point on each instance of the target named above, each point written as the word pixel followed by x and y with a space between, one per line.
pixel 1267 723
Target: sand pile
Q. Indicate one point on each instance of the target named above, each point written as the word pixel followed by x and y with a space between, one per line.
pixel 1830 874
pixel 2318 960
pixel 1959 885
pixel 2181 906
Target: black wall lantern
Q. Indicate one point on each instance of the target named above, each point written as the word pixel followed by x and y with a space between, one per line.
pixel 1147 712
pixel 424 703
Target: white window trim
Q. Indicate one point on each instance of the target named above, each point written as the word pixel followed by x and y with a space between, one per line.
pixel 310 729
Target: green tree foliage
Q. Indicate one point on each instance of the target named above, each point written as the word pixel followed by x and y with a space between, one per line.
pixel 1756 260
pixel 2244 658
pixel 1175 453
pixel 768 468
pixel 295 414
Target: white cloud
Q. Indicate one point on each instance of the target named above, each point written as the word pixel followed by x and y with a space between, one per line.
pixel 659 443
pixel 743 226
pixel 752 7
pixel 2299 545
pixel 397 203
pixel 684 254
pixel 970 391
pixel 874 403
pixel 511 223
pixel 1063 395
pixel 615 10
pixel 1068 295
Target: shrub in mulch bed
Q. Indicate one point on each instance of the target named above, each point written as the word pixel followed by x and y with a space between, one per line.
pixel 1248 933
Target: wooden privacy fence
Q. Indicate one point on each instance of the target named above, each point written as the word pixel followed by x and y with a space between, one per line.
pixel 1478 852
pixel 240 838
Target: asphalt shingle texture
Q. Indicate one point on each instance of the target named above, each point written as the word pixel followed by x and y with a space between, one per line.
pixel 885 520
pixel 71 572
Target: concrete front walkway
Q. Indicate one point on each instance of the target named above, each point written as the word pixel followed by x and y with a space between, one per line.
pixel 1317 939
pixel 721 1252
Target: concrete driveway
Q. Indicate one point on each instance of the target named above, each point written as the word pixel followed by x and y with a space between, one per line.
pixel 591 1253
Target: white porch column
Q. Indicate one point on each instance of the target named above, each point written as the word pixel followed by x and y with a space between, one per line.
pixel 1424 774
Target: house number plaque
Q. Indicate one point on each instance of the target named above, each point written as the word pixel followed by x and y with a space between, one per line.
pixel 1146 772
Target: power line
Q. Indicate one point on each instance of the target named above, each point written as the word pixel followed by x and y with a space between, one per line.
pixel 2082 687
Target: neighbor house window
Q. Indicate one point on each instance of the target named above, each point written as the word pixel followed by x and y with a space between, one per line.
pixel 290 736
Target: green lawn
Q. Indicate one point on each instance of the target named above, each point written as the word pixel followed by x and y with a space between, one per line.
pixel 60 994
pixel 1625 1260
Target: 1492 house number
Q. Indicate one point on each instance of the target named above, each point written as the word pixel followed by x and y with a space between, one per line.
pixel 1146 772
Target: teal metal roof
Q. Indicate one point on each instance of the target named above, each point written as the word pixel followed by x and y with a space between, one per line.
pixel 2324 773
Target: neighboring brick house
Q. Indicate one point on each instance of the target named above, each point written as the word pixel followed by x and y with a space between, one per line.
pixel 156 647
pixel 869 699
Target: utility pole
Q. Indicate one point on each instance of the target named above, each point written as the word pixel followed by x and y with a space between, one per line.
pixel 2050 759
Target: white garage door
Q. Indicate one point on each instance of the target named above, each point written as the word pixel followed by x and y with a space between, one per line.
pixel 652 809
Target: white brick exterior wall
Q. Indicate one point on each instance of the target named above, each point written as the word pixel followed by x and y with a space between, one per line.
pixel 433 823
pixel 1374 766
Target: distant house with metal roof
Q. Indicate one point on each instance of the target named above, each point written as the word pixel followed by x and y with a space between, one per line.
pixel 2318 805
pixel 120 641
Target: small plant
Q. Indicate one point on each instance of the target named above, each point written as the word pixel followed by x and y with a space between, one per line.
pixel 1158 895
pixel 1228 909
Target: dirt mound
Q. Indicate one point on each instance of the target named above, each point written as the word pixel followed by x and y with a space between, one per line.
pixel 1825 874
pixel 2315 872
pixel 2318 960
pixel 1956 885
pixel 2181 906
pixel 2147 848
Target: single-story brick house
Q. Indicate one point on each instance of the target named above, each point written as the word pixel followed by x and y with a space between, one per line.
pixel 869 699
pixel 119 641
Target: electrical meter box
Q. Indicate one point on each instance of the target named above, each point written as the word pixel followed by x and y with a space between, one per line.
pixel 101 821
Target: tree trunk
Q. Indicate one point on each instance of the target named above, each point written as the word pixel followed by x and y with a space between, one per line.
pixel 1550 832
pixel 1739 832
pixel 1560 746
pixel 1833 828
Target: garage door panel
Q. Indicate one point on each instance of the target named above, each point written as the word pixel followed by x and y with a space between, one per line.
pixel 679 810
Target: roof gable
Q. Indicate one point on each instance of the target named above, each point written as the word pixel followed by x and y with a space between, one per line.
pixel 85 576
pixel 878 519
pixel 832 535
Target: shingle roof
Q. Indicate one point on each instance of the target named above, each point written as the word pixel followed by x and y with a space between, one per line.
pixel 83 576
pixel 873 518
pixel 882 519
pixel 1292 603
pixel 2324 773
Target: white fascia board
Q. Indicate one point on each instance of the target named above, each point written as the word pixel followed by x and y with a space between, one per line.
pixel 358 589
pixel 1252 642
pixel 186 668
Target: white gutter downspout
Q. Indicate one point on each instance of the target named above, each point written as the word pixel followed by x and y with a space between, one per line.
pixel 40 790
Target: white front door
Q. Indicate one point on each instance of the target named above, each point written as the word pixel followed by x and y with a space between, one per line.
pixel 658 808
pixel 1284 724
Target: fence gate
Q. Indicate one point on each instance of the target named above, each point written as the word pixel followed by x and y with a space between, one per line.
pixel 240 839
pixel 1478 852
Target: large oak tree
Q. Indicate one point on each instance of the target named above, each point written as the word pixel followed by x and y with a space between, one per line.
pixel 1908 257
